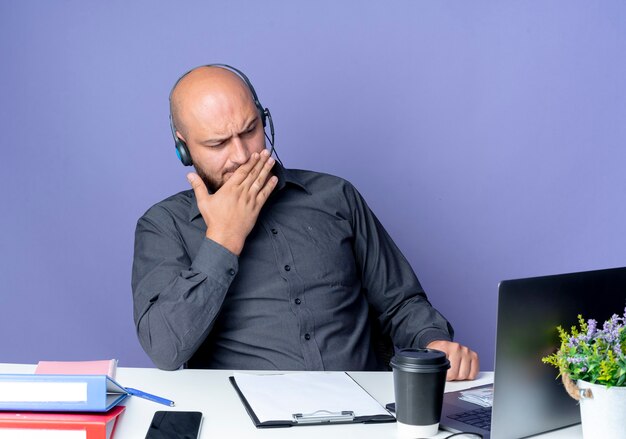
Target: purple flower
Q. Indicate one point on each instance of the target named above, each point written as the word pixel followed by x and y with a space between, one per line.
pixel 575 360
pixel 610 330
pixel 592 326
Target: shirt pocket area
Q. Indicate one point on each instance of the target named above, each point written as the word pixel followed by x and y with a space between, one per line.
pixel 328 254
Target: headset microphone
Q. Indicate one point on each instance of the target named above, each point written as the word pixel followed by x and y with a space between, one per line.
pixel 268 116
pixel 182 151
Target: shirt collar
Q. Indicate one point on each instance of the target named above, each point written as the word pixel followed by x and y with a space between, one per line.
pixel 285 177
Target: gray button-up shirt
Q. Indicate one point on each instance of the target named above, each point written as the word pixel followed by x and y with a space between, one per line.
pixel 298 296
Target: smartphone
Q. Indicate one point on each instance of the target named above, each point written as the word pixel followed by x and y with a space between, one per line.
pixel 175 425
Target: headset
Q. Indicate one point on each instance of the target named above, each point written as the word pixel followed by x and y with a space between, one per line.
pixel 182 151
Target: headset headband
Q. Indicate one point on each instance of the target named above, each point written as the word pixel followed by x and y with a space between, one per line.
pixel 236 71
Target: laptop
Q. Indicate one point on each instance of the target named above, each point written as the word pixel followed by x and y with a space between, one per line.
pixel 527 397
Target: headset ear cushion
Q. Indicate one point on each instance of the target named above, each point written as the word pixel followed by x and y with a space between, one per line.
pixel 183 153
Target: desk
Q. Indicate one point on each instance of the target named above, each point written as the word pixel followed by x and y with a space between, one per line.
pixel 210 392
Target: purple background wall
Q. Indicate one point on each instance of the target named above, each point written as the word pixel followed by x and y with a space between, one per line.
pixel 489 137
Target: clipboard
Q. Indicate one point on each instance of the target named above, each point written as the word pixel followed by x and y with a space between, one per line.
pixel 309 398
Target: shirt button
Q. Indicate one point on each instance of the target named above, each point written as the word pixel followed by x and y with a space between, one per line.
pixel 274 231
pixel 307 336
pixel 298 301
pixel 287 268
pixel 231 272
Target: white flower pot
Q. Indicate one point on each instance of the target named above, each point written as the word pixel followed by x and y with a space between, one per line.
pixel 604 413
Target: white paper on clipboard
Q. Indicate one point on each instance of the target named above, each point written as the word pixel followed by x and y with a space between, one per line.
pixel 280 397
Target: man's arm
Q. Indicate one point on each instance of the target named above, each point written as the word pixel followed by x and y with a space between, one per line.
pixel 392 288
pixel 176 299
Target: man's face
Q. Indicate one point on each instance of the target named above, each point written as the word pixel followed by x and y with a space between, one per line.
pixel 222 131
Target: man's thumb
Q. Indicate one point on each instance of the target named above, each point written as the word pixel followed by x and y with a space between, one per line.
pixel 198 185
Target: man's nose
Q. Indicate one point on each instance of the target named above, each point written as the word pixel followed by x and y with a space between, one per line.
pixel 240 152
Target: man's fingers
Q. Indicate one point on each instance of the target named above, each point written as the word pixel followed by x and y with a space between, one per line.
pixel 475 369
pixel 252 177
pixel 198 186
pixel 261 180
pixel 464 365
pixel 265 193
pixel 241 174
pixel 455 365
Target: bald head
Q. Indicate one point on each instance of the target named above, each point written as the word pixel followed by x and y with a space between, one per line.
pixel 205 90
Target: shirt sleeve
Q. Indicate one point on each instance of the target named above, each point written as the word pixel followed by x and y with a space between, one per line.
pixel 176 299
pixel 390 285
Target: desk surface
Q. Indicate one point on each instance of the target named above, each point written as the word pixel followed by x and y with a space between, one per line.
pixel 210 392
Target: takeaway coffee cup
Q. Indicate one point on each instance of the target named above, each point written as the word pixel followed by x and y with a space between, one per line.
pixel 419 378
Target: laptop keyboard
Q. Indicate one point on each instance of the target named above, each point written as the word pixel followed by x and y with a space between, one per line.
pixel 480 417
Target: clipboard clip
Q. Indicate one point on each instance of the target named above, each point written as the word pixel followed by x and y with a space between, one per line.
pixel 323 416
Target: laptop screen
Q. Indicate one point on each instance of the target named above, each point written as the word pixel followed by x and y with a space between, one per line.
pixel 528 399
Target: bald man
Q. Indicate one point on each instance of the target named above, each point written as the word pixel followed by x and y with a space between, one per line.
pixel 263 267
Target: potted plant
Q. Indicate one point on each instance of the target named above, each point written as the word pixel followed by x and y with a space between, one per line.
pixel 592 365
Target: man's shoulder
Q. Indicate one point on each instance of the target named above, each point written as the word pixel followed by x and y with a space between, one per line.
pixel 327 191
pixel 176 206
pixel 313 180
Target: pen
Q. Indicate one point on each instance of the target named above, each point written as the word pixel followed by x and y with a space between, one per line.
pixel 149 397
